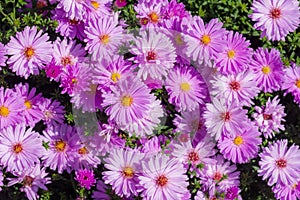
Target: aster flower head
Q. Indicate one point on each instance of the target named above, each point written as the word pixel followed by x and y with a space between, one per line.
pixel 129 101
pixel 104 35
pixel 275 18
pixel 11 108
pixel 268 69
pixel 63 142
pixel 32 112
pixel 29 50
pixel 235 56
pixel 67 52
pixel 53 112
pixel 204 41
pixel 269 118
pixel 163 178
pixel 174 9
pixel 53 71
pixel 123 169
pixel 240 147
pixel 32 180
pixel 280 163
pixel 284 192
pixel 155 54
pixel 222 118
pixel 240 87
pixel 3 56
pixel 186 88
pixel 291 82
pixel 85 178
pixel 74 9
pixel 20 148
pixel 68 27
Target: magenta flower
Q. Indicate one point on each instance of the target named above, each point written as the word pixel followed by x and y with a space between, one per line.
pixel 291 82
pixel 53 71
pixel 275 18
pixel 85 178
pixel 280 163
pixel 269 117
pixel 235 56
pixel 20 149
pixel 163 178
pixel 68 27
pixel 155 54
pixel 222 119
pixel 287 192
pixel 74 9
pixel 31 179
pixel 129 101
pixel 120 3
pixel 186 88
pixel 241 146
pixel 240 87
pixel 123 169
pixel 104 35
pixel 173 10
pixel 67 52
pixel 29 51
pixel 3 56
pixel 204 40
pixel 63 143
pixel 32 112
pixel 268 69
pixel 53 112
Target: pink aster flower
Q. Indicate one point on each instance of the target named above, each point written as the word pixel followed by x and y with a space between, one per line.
pixel 32 113
pixel 32 180
pixel 53 112
pixel 240 87
pixel 68 27
pixel 185 87
pixel 53 70
pixel 123 169
pixel 63 141
pixel 235 56
pixel 129 101
pixel 291 82
pixel 269 117
pixel 280 163
pixel 100 193
pixel 275 18
pixel 104 35
pixel 268 68
pixel 85 178
pixel 200 154
pixel 241 146
pixel 204 41
pixel 29 51
pixel 287 192
pixel 67 52
pixel 3 56
pixel 222 119
pixel 11 108
pixel 155 54
pixel 120 3
pixel 220 175
pixel 163 178
pixel 20 149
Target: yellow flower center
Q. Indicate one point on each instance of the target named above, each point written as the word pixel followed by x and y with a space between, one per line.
pixel 128 172
pixel 298 83
pixel 82 151
pixel 74 80
pixel 185 86
pixel 178 39
pixel 238 140
pixel 162 180
pixel 205 39
pixel 17 148
pixel 104 39
pixel 230 53
pixel 67 60
pixel 154 17
pixel 266 69
pixel 29 52
pixel 95 4
pixel 28 104
pixel 4 111
pixel 115 77
pixel 127 101
pixel 60 145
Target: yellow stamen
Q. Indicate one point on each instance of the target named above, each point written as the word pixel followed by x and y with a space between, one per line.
pixel 95 4
pixel 28 104
pixel 128 172
pixel 230 53
pixel 298 83
pixel 60 145
pixel 238 140
pixel 154 17
pixel 29 52
pixel 127 101
pixel 178 39
pixel 266 69
pixel 115 77
pixel 104 39
pixel 205 39
pixel 17 148
pixel 4 111
pixel 82 151
pixel 185 86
